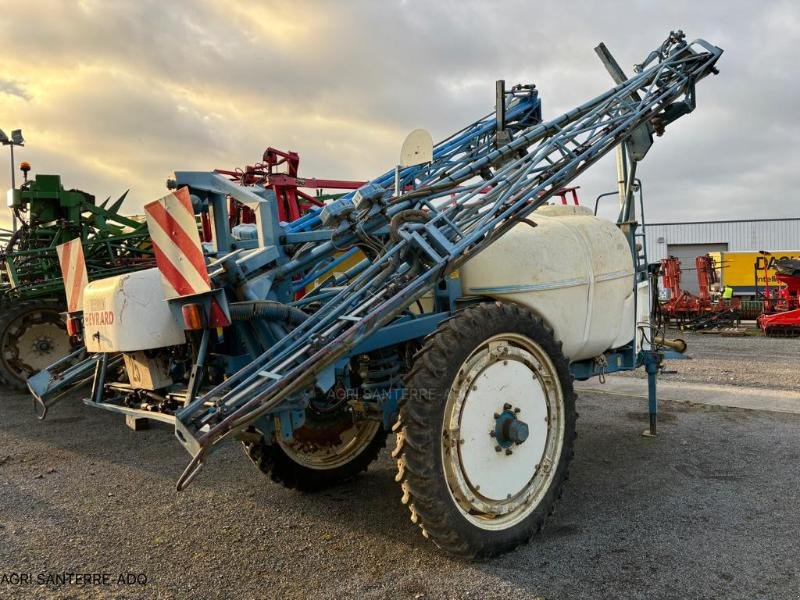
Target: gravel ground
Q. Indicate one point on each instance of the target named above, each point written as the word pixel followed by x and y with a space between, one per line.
pixel 709 509
pixel 753 361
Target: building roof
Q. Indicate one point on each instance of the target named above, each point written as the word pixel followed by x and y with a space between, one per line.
pixel 779 220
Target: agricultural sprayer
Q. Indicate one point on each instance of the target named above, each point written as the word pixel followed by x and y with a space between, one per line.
pixel 444 300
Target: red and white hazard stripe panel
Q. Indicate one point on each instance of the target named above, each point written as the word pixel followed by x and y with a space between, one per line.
pixel 176 244
pixel 73 270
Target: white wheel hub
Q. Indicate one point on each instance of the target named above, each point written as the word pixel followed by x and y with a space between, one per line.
pixel 496 470
pixel 39 344
pixel 503 431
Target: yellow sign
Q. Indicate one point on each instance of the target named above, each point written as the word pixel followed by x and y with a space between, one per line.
pixel 740 269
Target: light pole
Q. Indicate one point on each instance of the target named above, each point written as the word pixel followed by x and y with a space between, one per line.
pixel 16 140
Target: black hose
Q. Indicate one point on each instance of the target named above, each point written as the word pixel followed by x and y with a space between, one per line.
pixel 268 310
pixel 407 216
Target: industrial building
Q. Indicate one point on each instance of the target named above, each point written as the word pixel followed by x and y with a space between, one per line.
pixel 688 240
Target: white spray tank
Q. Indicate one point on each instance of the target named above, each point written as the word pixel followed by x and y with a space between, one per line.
pixel 573 269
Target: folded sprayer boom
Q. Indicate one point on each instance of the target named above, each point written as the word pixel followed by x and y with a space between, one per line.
pixel 461 203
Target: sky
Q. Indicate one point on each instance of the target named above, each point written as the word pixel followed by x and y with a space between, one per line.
pixel 117 95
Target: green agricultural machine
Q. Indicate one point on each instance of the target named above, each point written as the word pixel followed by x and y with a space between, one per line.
pixel 32 329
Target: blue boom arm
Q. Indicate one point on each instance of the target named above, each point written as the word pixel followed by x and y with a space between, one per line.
pixel 478 186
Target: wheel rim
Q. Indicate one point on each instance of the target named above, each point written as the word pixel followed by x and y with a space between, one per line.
pixel 332 449
pixel 34 341
pixel 496 480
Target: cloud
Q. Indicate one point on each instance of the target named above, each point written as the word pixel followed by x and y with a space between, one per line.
pixel 118 94
pixel 14 89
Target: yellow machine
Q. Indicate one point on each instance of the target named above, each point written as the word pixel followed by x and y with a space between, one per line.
pixel 743 270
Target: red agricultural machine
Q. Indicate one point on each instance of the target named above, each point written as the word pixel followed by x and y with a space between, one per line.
pixel 705 311
pixel 278 172
pixel 780 316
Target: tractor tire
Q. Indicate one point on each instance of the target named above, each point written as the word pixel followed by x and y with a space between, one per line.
pixel 486 432
pixel 33 335
pixel 322 454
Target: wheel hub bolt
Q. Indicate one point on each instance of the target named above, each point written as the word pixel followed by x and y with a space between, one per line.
pixel 42 345
pixel 518 431
pixel 508 429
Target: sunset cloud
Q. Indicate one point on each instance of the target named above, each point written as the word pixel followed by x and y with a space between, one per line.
pixel 118 94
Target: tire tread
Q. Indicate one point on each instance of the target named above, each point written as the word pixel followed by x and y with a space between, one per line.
pixel 417 442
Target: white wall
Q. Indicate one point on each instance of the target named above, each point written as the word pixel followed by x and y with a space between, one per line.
pixel 750 236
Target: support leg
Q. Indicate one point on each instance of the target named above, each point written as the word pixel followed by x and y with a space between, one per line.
pixel 137 423
pixel 197 370
pixel 651 366
pixel 99 378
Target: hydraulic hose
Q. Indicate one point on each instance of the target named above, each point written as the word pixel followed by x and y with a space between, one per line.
pixel 267 310
pixel 407 216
